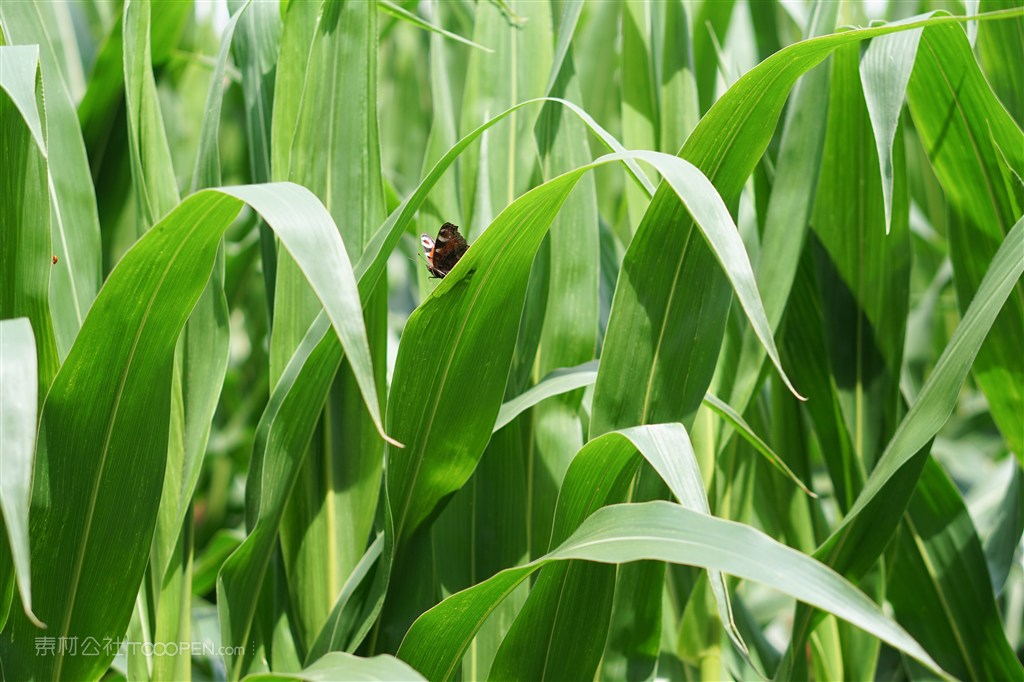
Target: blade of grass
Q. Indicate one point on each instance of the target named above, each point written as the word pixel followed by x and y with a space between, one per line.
pixel 558 381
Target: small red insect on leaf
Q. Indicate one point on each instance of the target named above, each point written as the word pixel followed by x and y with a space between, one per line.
pixel 54 260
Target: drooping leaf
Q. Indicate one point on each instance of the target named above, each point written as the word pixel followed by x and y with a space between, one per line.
pixel 111 400
pixel 667 532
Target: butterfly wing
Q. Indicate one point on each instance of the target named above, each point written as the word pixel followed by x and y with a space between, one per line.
pixel 449 247
pixel 428 251
pixel 444 252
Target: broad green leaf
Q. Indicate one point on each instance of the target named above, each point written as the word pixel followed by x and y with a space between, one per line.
pixel 25 249
pixel 999 43
pixel 338 666
pixel 74 227
pixel 787 215
pixel 598 475
pixel 861 249
pixel 666 532
pixel 491 290
pixel 255 51
pixel 866 528
pixel 327 66
pixel 517 70
pixel 968 135
pixel 567 334
pixel 19 390
pixel 885 74
pixel 104 424
pixel 156 189
pixel 295 402
pixel 939 586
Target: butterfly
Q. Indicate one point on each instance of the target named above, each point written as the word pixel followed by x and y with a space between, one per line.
pixel 445 251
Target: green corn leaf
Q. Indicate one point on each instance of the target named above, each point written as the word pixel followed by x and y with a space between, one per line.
pixel 295 401
pixel 122 361
pixel 939 587
pixel 18 396
pixel 26 251
pixel 666 532
pixel 74 226
pixel 338 666
pixel 972 141
pixel 400 12
pixel 488 288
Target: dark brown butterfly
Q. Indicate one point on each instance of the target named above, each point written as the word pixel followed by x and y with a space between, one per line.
pixel 445 251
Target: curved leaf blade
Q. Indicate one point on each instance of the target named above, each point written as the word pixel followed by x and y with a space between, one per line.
pixel 664 532
pixel 104 424
pixel 19 389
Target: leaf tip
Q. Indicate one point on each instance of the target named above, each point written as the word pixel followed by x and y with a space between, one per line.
pixel 792 389
pixel 33 618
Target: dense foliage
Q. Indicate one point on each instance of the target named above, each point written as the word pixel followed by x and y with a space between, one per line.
pixel 729 384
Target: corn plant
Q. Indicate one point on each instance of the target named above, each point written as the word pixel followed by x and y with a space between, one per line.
pixel 728 383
